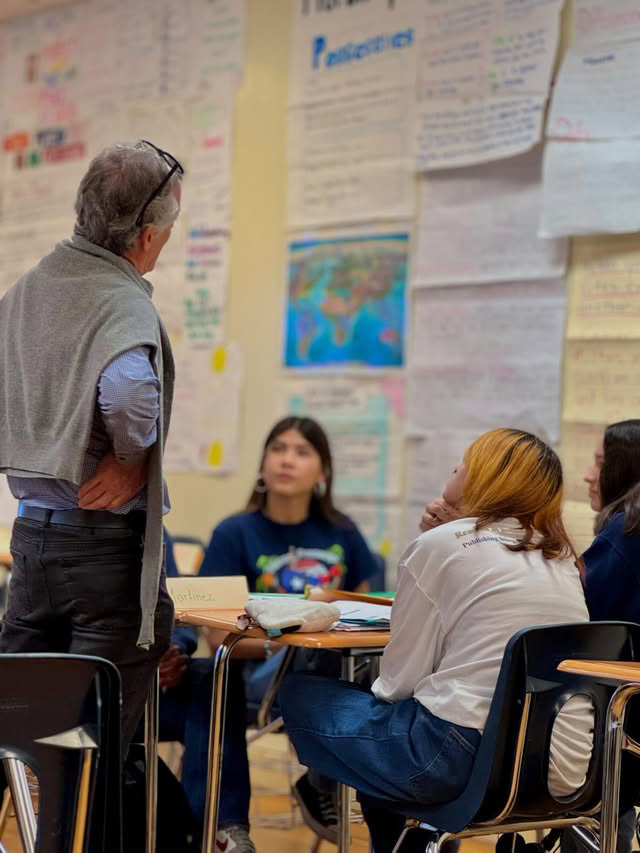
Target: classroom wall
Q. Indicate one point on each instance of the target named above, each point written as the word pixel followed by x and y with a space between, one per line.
pixel 257 277
pixel 257 264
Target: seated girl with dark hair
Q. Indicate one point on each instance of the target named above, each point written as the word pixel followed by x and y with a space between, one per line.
pixel 464 588
pixel 289 535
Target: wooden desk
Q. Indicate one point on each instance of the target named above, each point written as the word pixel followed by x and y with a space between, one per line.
pixel 616 740
pixel 6 559
pixel 624 671
pixel 349 643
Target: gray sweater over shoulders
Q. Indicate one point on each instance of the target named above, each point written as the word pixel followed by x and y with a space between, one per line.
pixel 61 324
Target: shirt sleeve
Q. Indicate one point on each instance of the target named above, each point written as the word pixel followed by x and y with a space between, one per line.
pixel 223 556
pixel 416 641
pixel 129 400
pixel 361 564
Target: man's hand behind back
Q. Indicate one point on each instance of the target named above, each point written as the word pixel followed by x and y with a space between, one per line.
pixel 113 484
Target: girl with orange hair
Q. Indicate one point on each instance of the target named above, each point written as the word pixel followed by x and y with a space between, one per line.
pixel 465 587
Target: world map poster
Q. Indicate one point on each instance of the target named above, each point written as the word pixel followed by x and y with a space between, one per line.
pixel 346 302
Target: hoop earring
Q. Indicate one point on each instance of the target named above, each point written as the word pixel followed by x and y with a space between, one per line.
pixel 260 486
pixel 320 489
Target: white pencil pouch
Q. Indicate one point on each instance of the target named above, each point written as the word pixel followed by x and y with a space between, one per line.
pixel 282 615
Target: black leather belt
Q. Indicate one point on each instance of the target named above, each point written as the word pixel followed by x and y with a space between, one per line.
pixel 80 517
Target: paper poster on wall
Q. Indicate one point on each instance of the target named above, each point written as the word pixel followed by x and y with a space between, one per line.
pixel 204 431
pixel 368 192
pixel 489 325
pixel 488 48
pixel 605 20
pixel 432 458
pixel 604 287
pixel 363 420
pixel 590 188
pixel 346 301
pixel 601 380
pixel 493 210
pixel 525 396
pixel 592 94
pixel 459 132
pixel 346 49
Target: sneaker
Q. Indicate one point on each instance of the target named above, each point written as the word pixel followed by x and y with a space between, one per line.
pixel 234 839
pixel 319 808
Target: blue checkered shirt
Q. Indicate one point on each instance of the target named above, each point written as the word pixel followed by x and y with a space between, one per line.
pixel 125 421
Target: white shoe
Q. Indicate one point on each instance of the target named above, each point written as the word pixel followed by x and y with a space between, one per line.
pixel 234 839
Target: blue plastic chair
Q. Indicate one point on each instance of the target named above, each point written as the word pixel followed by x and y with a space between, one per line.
pixel 508 789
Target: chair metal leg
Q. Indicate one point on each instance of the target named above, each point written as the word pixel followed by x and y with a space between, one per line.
pixel 21 796
pixel 151 762
pixel 216 735
pixel 264 712
pixel 317 842
pixel 344 792
pixel 613 747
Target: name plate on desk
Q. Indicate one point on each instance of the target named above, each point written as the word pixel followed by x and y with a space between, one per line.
pixel 228 593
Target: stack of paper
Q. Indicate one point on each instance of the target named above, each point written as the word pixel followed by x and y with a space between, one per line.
pixel 362 616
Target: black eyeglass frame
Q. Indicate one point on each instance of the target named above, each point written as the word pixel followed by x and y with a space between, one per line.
pixel 170 160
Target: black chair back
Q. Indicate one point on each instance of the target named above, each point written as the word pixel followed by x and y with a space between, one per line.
pixel 49 705
pixel 509 778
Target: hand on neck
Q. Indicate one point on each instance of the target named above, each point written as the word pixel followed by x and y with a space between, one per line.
pixel 292 509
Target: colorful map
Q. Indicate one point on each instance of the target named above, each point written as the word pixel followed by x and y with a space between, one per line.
pixel 347 301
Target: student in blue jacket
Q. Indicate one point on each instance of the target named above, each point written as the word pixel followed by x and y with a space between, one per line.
pixel 612 561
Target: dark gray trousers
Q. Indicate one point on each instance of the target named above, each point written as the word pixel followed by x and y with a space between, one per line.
pixel 77 590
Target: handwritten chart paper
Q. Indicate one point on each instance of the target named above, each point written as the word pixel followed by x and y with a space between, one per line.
pixel 224 593
pixel 472 48
pixel 495 325
pixel 483 75
pixel 496 207
pixel 604 288
pixel 363 419
pixel 590 188
pixel 601 381
pixel 593 92
pixel 206 410
pixel 605 20
pixel 453 133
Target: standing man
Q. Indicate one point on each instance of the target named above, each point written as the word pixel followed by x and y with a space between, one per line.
pixel 86 381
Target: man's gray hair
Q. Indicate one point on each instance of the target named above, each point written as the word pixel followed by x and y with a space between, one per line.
pixel 111 195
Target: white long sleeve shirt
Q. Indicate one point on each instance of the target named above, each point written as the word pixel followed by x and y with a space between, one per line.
pixel 461 596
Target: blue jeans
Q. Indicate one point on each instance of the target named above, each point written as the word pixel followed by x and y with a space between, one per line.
pixel 185 715
pixel 386 751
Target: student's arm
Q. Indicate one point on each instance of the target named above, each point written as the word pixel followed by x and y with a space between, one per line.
pixel 416 641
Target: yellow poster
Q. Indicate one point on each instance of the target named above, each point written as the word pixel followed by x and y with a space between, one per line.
pixel 604 287
pixel 602 380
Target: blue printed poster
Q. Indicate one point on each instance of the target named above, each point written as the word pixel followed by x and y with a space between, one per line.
pixel 346 302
